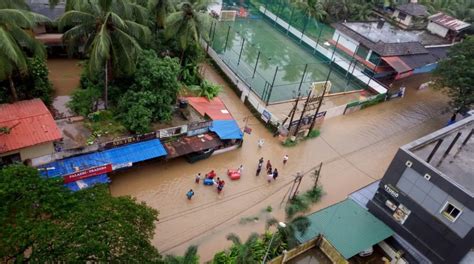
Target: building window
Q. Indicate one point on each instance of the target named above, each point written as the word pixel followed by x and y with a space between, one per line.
pixel 362 51
pixel 451 212
pixel 402 16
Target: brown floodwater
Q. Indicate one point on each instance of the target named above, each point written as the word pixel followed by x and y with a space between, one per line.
pixel 355 150
pixel 64 74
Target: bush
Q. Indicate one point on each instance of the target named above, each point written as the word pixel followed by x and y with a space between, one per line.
pixel 83 101
pixel 42 88
pixel 206 89
pixel 313 133
pixel 296 205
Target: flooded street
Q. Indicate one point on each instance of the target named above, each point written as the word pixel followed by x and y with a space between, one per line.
pixel 355 150
pixel 65 75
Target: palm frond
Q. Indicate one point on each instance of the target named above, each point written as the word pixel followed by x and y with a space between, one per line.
pixel 10 49
pixel 74 17
pixel 234 238
pixel 190 255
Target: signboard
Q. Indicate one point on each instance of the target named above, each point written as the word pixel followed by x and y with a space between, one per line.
pixel 122 165
pixel 79 175
pixel 266 116
pixel 391 190
pixel 172 131
pixel 401 214
pixel 306 121
pixel 128 140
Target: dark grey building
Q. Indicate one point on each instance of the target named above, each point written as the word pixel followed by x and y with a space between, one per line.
pixel 426 194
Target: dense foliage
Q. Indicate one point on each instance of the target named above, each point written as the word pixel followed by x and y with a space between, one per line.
pixel 41 221
pixel 32 84
pixel 455 75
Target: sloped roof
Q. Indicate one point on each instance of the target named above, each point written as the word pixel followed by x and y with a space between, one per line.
pixel 413 9
pixel 30 123
pixel 214 108
pixel 42 7
pixel 348 227
pixel 449 22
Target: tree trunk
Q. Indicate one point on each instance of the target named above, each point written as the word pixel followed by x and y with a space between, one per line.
pixel 12 88
pixel 181 62
pixel 106 86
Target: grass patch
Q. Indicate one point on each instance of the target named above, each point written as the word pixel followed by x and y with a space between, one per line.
pixel 289 143
pixel 269 209
pixel 102 124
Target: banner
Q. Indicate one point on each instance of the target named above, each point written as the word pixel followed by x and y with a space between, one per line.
pixel 87 173
pixel 128 140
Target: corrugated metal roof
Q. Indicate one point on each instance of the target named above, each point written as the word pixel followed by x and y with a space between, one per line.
pixel 226 129
pixel 349 227
pixel 117 156
pixel 449 22
pixel 214 108
pixel 397 64
pixel 186 145
pixel 30 123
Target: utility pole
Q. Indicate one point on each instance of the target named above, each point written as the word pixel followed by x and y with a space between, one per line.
pixel 296 186
pixel 316 174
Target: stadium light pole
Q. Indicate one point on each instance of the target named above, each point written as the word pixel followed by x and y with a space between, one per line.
pixel 280 224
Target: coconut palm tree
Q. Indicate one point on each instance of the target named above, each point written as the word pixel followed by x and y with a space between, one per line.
pixel 244 251
pixel 111 31
pixel 312 8
pixel 17 42
pixel 186 24
pixel 160 10
pixel 190 257
pixel 361 10
pixel 297 226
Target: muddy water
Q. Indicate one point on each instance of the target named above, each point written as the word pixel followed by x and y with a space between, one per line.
pixel 64 74
pixel 355 149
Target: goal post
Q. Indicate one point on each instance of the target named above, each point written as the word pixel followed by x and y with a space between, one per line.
pixel 228 15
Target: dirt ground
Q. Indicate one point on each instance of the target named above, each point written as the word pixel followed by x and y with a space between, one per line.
pixel 355 149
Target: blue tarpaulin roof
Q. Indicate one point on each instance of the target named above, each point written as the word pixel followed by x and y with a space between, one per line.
pixel 88 182
pixel 117 156
pixel 226 129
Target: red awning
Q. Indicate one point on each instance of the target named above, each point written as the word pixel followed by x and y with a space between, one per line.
pixel 397 64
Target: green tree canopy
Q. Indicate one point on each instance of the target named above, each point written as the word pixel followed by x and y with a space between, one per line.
pixel 112 31
pixel 16 43
pixel 41 221
pixel 455 75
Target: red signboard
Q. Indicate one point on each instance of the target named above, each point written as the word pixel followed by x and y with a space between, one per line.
pixel 87 173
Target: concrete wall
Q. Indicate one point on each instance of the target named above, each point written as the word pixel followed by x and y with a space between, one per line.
pixel 345 41
pixel 437 29
pixel 33 151
pixel 405 22
pixel 433 199
pixel 37 151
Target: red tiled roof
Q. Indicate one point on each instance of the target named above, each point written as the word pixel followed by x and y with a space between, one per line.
pixel 214 108
pixel 449 22
pixel 30 123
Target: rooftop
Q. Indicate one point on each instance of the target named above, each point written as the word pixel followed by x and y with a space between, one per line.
pixel 42 7
pixel 215 109
pixel 389 40
pixel 29 123
pixel 449 22
pixel 413 9
pixel 454 162
pixel 348 227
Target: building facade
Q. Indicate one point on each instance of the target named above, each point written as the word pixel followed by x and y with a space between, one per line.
pixel 426 194
pixel 27 131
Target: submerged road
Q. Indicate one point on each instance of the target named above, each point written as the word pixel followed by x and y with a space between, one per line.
pixel 355 150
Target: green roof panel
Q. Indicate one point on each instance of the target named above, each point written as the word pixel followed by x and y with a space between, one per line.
pixel 349 227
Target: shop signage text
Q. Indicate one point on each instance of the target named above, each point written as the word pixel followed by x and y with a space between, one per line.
pixel 391 190
pixel 79 175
